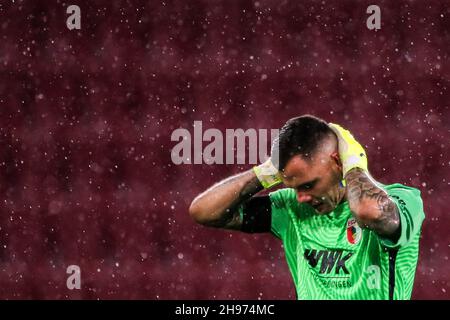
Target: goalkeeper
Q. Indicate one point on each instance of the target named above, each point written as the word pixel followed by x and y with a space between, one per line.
pixel 345 235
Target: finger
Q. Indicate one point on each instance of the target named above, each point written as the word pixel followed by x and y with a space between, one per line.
pixel 342 133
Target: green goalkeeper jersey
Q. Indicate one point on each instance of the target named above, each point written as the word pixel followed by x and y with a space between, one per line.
pixel 331 257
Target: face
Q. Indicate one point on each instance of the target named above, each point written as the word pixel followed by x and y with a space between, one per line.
pixel 316 180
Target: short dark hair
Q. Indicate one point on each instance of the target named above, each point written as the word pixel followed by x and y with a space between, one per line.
pixel 299 136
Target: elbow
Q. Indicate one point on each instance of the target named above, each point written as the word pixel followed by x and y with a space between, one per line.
pixel 194 211
pixel 204 215
pixel 371 216
pixel 197 213
pixel 366 213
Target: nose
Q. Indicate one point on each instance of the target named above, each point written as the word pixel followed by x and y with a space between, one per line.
pixel 303 197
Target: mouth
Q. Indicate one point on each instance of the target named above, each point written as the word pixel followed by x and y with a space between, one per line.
pixel 317 205
pixel 321 209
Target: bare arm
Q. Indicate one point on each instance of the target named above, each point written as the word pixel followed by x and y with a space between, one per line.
pixel 371 205
pixel 217 206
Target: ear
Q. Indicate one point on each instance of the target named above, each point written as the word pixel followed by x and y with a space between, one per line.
pixel 337 164
pixel 336 159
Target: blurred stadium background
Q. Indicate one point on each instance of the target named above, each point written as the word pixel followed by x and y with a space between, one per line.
pixel 86 117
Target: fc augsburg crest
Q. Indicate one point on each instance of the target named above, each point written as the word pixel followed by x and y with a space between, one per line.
pixel 353 231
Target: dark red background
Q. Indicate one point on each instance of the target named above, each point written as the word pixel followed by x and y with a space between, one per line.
pixel 86 116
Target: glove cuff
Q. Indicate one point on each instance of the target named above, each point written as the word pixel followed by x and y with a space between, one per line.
pixel 355 161
pixel 267 174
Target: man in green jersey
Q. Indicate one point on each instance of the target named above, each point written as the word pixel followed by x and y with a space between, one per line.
pixel 345 235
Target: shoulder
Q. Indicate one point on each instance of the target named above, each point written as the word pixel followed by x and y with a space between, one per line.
pixel 398 189
pixel 283 198
pixel 399 186
pixel 410 209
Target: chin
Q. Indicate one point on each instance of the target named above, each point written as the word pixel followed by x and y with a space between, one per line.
pixel 323 211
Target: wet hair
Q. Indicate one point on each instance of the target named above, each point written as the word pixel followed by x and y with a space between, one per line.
pixel 299 136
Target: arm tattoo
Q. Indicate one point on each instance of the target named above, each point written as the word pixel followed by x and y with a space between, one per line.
pixel 361 188
pixel 231 218
pixel 250 188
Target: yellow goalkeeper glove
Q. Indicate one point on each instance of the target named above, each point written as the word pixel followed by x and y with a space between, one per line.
pixel 267 174
pixel 351 153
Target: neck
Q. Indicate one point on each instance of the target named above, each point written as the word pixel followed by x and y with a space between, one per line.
pixel 341 195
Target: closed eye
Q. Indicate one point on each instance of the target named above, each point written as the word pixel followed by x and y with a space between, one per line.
pixel 307 185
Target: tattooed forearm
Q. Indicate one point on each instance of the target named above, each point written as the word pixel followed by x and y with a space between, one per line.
pixel 248 187
pixel 218 205
pixel 230 217
pixel 371 204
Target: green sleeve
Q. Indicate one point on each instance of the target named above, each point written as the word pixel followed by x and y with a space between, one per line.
pixel 281 204
pixel 410 208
